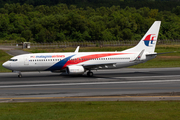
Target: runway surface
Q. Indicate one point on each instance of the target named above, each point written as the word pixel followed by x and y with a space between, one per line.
pixel 117 84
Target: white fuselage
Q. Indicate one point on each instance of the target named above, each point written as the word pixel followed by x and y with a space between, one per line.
pixel 59 61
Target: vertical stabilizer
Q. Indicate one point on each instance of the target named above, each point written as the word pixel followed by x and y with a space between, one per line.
pixel 148 42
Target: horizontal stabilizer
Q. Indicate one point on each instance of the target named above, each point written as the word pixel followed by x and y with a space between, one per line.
pixel 159 53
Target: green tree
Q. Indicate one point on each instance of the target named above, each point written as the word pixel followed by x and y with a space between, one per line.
pixel 61 36
pixel 4 24
pixel 127 34
pixel 107 35
pixel 41 36
pixel 86 35
pixel 176 10
pixel 77 36
pixel 27 34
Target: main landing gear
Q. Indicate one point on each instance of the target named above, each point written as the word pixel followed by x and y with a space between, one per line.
pixel 90 74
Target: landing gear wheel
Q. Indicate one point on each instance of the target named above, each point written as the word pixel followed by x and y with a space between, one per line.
pixel 19 76
pixel 90 74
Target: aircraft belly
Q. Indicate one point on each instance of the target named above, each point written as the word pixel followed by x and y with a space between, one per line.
pixel 32 67
pixel 42 66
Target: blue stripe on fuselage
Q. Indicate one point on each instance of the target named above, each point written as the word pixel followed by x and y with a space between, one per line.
pixel 59 64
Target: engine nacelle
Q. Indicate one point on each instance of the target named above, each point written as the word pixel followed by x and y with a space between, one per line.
pixel 75 70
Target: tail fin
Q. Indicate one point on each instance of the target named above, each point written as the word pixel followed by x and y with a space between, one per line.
pixel 148 42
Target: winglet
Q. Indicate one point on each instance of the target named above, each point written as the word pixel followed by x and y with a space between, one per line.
pixel 139 56
pixel 77 50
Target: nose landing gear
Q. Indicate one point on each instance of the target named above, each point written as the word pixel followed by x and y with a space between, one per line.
pixel 19 73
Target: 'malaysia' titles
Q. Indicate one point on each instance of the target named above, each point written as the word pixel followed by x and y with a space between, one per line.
pixel 48 56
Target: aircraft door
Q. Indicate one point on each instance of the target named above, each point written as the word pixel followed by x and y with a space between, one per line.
pixel 26 61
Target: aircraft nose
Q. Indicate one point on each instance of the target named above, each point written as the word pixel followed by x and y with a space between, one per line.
pixel 6 65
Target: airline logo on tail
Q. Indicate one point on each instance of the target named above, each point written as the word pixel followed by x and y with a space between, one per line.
pixel 149 40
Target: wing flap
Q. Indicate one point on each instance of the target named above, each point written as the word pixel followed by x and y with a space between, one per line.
pixel 99 66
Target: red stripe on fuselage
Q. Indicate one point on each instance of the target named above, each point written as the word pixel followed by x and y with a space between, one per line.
pixel 89 57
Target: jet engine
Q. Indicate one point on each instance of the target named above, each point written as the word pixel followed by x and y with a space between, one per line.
pixel 75 70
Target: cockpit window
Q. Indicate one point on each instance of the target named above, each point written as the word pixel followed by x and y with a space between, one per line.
pixel 13 60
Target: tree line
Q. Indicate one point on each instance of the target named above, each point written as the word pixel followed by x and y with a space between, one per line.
pixel 161 5
pixel 71 23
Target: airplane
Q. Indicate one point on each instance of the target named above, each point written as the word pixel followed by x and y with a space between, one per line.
pixel 78 63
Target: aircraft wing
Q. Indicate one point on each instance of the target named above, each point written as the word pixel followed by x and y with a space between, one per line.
pixel 99 66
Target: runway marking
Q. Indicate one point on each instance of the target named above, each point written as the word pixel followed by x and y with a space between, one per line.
pixel 128 88
pixel 92 83
pixel 150 76
pixel 57 80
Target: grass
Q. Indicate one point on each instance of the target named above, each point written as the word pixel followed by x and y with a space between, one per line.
pixel 114 110
pixel 82 49
pixel 163 60
pixel 159 49
pixel 160 61
pixel 4 57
